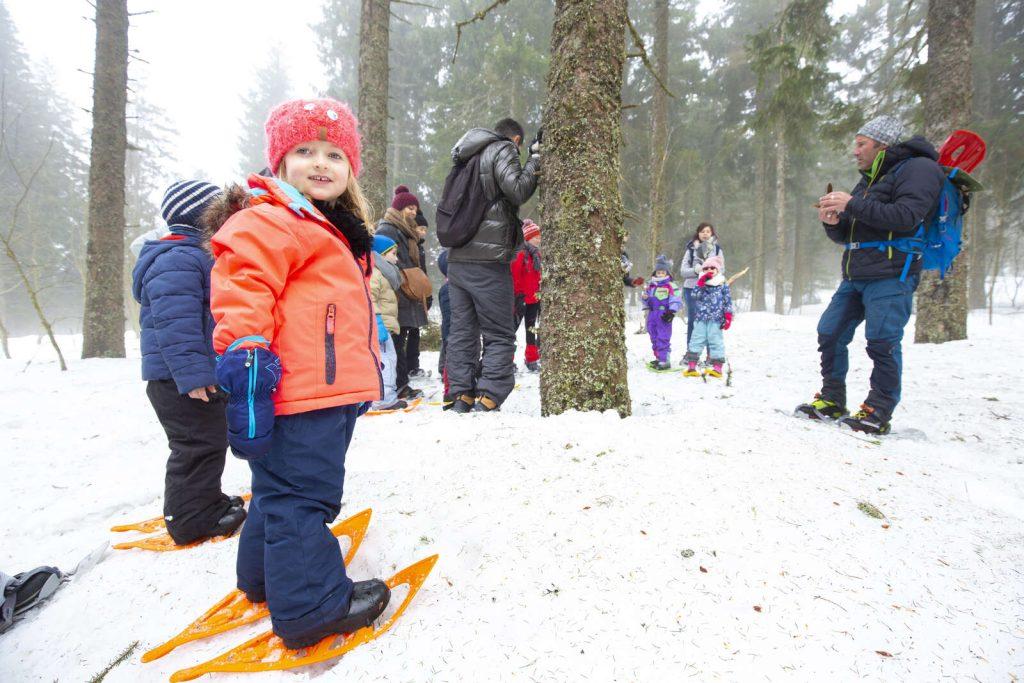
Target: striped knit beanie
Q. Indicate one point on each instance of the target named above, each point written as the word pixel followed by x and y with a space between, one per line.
pixel 185 201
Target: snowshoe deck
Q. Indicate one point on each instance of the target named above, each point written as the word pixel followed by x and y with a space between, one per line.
pixel 266 652
pixel 236 610
pixel 162 542
pixel 157 523
pixel 408 409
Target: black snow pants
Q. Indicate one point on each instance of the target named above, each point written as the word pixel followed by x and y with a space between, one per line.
pixel 483 305
pixel 197 434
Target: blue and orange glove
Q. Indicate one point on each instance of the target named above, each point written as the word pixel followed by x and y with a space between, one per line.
pixel 249 376
pixel 727 323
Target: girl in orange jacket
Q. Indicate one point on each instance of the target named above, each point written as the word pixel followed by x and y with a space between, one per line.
pixel 299 356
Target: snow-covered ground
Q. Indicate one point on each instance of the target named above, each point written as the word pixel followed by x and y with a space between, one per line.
pixel 708 537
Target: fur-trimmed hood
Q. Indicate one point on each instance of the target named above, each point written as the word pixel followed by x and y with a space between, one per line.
pixel 234 199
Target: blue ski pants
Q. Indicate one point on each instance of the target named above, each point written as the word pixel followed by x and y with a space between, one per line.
pixel 706 333
pixel 286 553
pixel 884 306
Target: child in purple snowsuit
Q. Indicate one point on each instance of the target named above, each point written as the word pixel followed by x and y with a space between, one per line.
pixel 661 300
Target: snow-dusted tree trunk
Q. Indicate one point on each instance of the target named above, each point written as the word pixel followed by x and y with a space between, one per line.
pixel 942 304
pixel 374 36
pixel 584 348
pixel 103 320
pixel 757 277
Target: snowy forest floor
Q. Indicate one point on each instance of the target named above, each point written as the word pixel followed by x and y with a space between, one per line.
pixel 708 537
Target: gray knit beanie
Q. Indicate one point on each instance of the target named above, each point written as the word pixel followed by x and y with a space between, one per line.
pixel 888 130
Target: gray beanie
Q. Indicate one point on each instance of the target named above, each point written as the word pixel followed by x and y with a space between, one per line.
pixel 663 262
pixel 887 130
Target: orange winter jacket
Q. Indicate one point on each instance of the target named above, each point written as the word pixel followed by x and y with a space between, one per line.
pixel 283 272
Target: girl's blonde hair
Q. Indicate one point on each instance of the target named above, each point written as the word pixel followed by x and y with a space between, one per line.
pixel 353 198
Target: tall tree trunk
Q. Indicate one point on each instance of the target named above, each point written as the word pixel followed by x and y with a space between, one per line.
pixel 374 35
pixel 103 320
pixel 659 127
pixel 980 252
pixel 584 347
pixel 942 304
pixel 757 278
pixel 780 223
pixel 800 265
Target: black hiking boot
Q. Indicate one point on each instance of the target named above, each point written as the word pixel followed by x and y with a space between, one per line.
pixel 867 421
pixel 369 600
pixel 236 502
pixel 486 404
pixel 533 367
pixel 229 522
pixel 409 394
pixel 822 409
pixel 463 404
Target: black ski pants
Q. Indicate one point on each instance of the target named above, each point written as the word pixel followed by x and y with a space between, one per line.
pixel 483 305
pixel 197 434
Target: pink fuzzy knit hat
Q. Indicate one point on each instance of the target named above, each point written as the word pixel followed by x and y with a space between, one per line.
pixel 298 121
pixel 715 261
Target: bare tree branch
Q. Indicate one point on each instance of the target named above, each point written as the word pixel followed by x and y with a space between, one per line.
pixel 639 44
pixel 414 4
pixel 479 16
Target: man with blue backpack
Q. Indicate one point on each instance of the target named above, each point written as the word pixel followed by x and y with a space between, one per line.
pixel 882 225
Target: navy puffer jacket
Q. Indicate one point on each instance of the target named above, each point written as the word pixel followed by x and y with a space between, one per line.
pixel 891 203
pixel 171 281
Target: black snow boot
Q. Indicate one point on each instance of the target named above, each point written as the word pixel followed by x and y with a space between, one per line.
pixel 369 600
pixel 485 404
pixel 229 522
pixel 866 420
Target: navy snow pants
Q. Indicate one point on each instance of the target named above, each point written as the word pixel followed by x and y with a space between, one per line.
pixel 286 552
pixel 884 306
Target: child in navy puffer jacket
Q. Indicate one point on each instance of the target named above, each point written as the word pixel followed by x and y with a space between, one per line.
pixel 171 281
pixel 712 314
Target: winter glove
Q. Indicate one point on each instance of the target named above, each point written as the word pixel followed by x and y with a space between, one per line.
pixel 249 376
pixel 638 282
pixel 728 321
pixel 536 146
pixel 382 331
pixel 703 279
pixel 667 316
pixel 520 306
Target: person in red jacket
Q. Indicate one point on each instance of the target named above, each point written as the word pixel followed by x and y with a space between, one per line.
pixel 526 286
pixel 299 358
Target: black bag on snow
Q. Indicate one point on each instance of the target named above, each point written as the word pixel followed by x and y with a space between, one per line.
pixel 463 204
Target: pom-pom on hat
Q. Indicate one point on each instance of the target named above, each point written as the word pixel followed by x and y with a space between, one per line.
pixel 715 261
pixel 530 230
pixel 185 201
pixel 404 198
pixel 663 262
pixel 297 121
pixel 383 244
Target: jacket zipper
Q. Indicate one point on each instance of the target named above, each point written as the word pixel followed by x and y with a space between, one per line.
pixel 330 361
pixel 251 359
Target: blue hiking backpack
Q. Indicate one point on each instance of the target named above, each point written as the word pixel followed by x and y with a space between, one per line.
pixel 937 242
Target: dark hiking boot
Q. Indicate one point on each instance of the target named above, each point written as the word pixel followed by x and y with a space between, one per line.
pixel 409 394
pixel 822 409
pixel 397 404
pixel 867 421
pixel 236 502
pixel 418 372
pixel 369 600
pixel 485 404
pixel 228 523
pixel 533 367
pixel 463 404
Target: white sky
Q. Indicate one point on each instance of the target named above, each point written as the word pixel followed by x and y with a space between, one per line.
pixel 201 54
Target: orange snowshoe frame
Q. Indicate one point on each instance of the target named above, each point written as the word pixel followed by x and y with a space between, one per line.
pixel 408 409
pixel 236 610
pixel 266 652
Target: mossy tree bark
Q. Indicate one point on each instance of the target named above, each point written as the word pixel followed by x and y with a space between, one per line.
pixel 103 319
pixel 659 127
pixel 584 347
pixel 942 304
pixel 374 37
pixel 981 245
